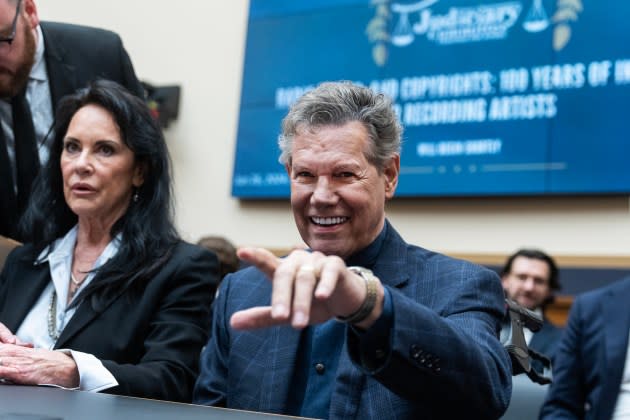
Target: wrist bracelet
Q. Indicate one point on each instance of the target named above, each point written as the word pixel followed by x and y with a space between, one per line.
pixel 366 308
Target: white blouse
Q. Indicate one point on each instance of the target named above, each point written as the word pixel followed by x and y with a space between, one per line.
pixel 34 329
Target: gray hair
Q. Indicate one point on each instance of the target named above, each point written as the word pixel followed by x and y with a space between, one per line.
pixel 336 103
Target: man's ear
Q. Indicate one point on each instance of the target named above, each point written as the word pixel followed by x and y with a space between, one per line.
pixel 390 174
pixel 30 13
pixel 287 167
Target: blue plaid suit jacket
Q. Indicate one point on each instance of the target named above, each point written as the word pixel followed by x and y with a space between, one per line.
pixel 444 361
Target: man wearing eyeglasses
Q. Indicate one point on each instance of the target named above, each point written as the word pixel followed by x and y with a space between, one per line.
pixel 40 62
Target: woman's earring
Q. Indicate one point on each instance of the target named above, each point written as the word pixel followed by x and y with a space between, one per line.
pixel 136 196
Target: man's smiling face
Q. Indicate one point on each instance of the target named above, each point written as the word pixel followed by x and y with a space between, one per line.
pixel 338 197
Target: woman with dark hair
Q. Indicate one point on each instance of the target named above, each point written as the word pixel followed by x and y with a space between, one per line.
pixel 105 296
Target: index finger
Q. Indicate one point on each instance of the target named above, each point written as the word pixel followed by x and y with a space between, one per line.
pixel 262 258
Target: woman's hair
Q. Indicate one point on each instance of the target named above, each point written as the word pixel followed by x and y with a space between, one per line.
pixel 146 229
pixel 337 103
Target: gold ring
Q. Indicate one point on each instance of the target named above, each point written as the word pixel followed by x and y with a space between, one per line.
pixel 306 268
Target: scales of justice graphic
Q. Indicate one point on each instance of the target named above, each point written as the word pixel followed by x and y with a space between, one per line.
pixel 404 32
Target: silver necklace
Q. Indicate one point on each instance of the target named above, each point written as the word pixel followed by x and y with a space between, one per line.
pixel 52 317
pixel 77 285
pixel 52 307
pixel 75 281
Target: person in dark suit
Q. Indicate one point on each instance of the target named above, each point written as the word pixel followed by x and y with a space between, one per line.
pixel 107 297
pixel 530 278
pixel 592 374
pixel 365 325
pixel 40 62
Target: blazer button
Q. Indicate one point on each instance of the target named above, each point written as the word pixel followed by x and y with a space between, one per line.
pixel 416 352
pixel 320 368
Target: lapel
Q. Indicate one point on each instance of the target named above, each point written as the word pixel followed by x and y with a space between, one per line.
pixel 89 308
pixel 348 388
pixel 24 296
pixel 281 355
pixel 616 320
pixel 390 268
pixel 391 264
pixel 61 75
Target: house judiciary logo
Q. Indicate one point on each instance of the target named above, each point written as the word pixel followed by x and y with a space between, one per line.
pixel 399 24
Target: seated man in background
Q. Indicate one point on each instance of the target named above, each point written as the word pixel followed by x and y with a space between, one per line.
pixel 530 278
pixel 365 325
pixel 225 251
pixel 592 374
pixel 40 62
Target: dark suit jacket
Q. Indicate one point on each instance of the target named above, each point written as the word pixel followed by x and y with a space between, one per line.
pixel 149 342
pixel 444 361
pixel 74 55
pixel 591 355
pixel 545 341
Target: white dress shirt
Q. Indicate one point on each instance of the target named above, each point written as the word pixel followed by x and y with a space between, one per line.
pixel 34 329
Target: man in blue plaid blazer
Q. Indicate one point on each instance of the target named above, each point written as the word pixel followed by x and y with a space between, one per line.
pixel 362 325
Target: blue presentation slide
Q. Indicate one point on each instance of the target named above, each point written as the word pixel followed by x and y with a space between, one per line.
pixel 497 98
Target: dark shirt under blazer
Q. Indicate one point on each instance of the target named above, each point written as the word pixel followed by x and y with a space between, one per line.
pixel 151 341
pixel 444 359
